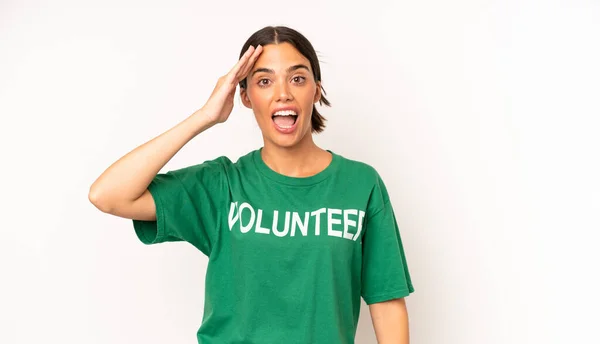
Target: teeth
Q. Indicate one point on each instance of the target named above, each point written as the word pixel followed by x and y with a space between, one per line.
pixel 285 113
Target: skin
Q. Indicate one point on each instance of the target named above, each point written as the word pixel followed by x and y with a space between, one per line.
pixel 294 154
pixel 390 321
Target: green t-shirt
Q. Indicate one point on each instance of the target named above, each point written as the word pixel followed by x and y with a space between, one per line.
pixel 288 258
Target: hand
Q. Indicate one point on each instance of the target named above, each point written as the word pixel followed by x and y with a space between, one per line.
pixel 219 105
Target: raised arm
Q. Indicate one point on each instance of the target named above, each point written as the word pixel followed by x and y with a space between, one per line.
pixel 122 189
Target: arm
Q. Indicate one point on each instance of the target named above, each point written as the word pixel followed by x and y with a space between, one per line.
pixel 122 189
pixel 390 321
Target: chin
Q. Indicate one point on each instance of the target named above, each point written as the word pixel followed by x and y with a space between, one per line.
pixel 287 140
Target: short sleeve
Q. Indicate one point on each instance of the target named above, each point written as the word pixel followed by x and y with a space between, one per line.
pixel 189 203
pixel 385 273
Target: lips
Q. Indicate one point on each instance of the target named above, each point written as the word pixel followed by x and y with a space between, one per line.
pixel 285 119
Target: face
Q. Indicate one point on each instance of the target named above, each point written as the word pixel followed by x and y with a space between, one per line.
pixel 281 91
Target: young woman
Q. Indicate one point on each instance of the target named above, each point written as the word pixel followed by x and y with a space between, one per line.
pixel 295 234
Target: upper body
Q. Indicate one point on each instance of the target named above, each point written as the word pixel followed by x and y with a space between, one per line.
pixel 295 234
pixel 288 257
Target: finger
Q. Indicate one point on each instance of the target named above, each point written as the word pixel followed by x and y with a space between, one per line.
pixel 252 60
pixel 250 63
pixel 240 64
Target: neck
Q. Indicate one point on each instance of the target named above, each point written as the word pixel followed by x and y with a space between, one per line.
pixel 301 160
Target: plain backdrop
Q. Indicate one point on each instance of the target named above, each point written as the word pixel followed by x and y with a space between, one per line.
pixel 481 116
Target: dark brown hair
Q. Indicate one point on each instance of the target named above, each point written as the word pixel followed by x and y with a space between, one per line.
pixel 281 34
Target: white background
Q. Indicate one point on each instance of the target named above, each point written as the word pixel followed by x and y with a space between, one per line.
pixel 481 116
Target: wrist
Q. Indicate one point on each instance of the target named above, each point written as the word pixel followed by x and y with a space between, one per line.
pixel 202 121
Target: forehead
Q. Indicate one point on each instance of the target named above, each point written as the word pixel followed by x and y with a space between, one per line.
pixel 280 56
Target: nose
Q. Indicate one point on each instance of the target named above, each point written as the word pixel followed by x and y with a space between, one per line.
pixel 282 92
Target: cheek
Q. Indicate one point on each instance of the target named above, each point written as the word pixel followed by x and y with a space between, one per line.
pixel 308 98
pixel 310 92
pixel 260 104
pixel 256 97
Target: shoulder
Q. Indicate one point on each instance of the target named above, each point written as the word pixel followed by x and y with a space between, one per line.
pixel 359 168
pixel 362 173
pixel 209 169
pixel 220 166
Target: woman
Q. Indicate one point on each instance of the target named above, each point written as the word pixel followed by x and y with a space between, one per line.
pixel 295 234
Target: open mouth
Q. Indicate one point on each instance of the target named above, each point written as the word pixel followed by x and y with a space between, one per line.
pixel 285 119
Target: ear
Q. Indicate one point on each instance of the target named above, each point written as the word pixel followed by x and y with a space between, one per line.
pixel 317 93
pixel 245 98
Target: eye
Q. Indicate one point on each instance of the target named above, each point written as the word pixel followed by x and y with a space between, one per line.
pixel 299 79
pixel 261 83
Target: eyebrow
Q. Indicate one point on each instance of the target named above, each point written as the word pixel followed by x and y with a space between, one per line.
pixel 290 69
